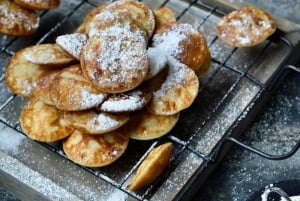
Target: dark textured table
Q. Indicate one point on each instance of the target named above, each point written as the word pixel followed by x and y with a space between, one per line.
pixel 275 130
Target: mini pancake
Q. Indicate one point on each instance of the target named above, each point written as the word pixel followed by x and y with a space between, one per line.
pixel 110 19
pixel 43 87
pixel 245 27
pixel 157 62
pixel 163 15
pixel 43 122
pixel 48 55
pixel 139 12
pixel 146 126
pixel 153 165
pixel 71 91
pixel 95 150
pixel 115 61
pixel 126 102
pixel 17 20
pixel 184 42
pixel 93 122
pixel 39 5
pixel 21 75
pixel 72 43
pixel 88 18
pixel 177 92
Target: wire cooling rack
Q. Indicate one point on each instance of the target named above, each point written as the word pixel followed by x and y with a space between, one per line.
pixel 230 94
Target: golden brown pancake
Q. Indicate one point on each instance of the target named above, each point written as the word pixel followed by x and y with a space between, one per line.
pixel 95 150
pixel 39 4
pixel 177 92
pixel 153 165
pixel 21 75
pixel 48 55
pixel 17 20
pixel 71 91
pixel 93 122
pixel 163 15
pixel 43 122
pixel 146 126
pixel 184 42
pixel 246 27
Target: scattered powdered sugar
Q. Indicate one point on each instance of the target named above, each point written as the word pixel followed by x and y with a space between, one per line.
pixel 117 195
pixel 11 140
pixel 89 99
pixel 157 61
pixel 10 18
pixel 72 43
pixel 176 75
pixel 124 102
pixel 102 122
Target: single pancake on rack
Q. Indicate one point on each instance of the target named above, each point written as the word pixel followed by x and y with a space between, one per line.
pixel 246 27
pixel 177 92
pixel 39 5
pixel 71 91
pixel 72 43
pixel 153 165
pixel 185 43
pixel 116 60
pixel 48 55
pixel 93 122
pixel 21 75
pixel 43 122
pixel 17 20
pixel 95 150
pixel 146 126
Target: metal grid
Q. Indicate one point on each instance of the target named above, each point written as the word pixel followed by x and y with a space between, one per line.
pixel 229 93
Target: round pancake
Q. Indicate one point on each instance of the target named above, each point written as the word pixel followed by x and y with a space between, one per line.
pixel 88 18
pixel 39 5
pixel 48 55
pixel 93 122
pixel 139 12
pixel 115 61
pixel 72 43
pixel 95 150
pixel 110 19
pixel 177 92
pixel 71 91
pixel 184 42
pixel 163 15
pixel 43 122
pixel 21 75
pixel 126 102
pixel 43 87
pixel 245 27
pixel 153 165
pixel 17 20
pixel 146 126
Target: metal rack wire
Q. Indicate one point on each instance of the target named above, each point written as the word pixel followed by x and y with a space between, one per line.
pixel 229 95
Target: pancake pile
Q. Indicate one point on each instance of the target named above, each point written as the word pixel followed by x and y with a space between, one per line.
pixel 125 73
pixel 19 18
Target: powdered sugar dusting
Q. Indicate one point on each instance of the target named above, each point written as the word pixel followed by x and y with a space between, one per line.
pixel 72 43
pixel 102 122
pixel 89 99
pixel 157 61
pixel 124 102
pixel 9 17
pixel 176 76
pixel 11 140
